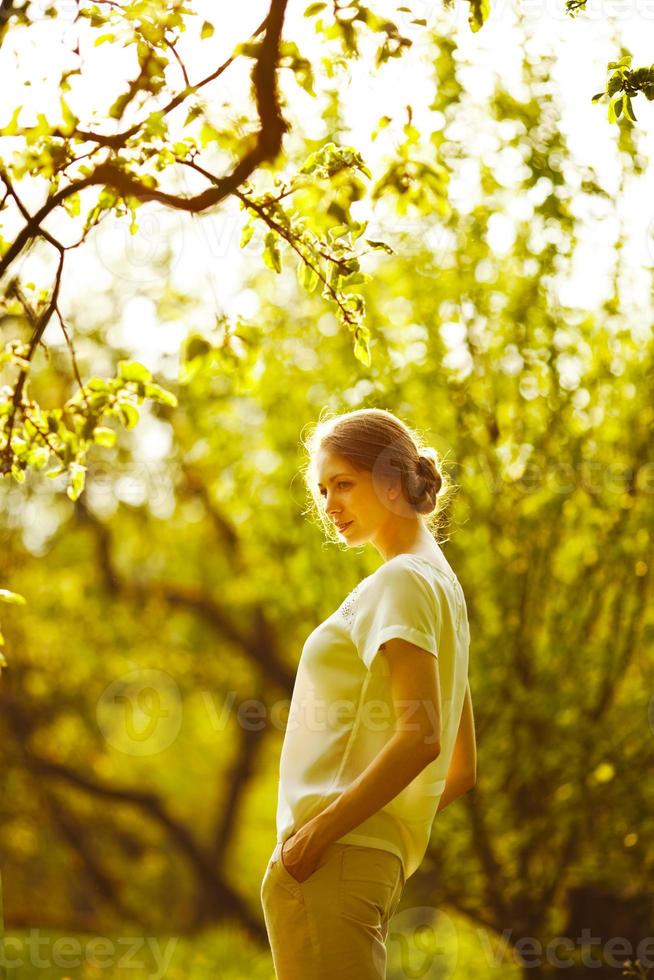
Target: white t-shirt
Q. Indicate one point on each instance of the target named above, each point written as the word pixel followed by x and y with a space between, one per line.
pixel 341 713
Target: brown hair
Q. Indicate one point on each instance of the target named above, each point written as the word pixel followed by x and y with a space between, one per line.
pixel 374 439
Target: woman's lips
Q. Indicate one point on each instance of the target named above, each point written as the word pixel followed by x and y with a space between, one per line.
pixel 344 527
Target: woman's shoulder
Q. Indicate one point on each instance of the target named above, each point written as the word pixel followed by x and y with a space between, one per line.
pixel 419 563
pixel 403 570
pixel 411 570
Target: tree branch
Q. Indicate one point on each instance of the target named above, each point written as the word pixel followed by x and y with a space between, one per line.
pixel 7 456
pixel 259 645
pixel 272 127
pixel 72 355
pixel 242 770
pixel 288 237
pixel 33 227
pixel 72 830
pixel 118 140
pixel 219 899
pixel 494 875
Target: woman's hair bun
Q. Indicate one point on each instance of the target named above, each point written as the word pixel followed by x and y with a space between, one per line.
pixel 424 489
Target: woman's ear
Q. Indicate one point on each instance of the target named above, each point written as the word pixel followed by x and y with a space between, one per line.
pixel 393 491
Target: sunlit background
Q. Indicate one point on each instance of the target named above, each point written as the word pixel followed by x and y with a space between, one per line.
pixel 191 568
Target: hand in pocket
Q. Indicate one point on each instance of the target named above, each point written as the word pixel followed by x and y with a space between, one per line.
pixel 297 857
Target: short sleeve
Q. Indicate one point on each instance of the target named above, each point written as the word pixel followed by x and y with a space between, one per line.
pixel 397 601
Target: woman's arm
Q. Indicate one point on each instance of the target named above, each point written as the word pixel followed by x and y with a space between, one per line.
pixel 462 771
pixel 415 688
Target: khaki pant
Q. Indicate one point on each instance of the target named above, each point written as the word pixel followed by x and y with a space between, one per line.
pixel 333 925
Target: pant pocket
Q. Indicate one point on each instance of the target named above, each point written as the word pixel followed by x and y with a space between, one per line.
pixel 277 868
pixel 369 883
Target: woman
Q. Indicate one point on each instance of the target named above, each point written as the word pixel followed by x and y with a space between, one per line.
pixel 380 734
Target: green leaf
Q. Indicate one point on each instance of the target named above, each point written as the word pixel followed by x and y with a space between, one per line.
pixel 72 204
pixel 314 8
pixel 78 479
pixel 355 302
pixel 69 119
pixel 12 598
pixel 128 413
pixel 192 114
pixel 478 14
pixel 628 108
pixel 133 371
pixel 623 62
pixel 38 457
pixel 209 134
pixel 246 234
pixel 248 49
pixel 271 254
pixel 12 126
pixel 159 394
pixel 356 278
pixel 196 346
pixel 357 229
pixel 98 384
pixel 361 349
pixel 380 245
pixel 337 231
pixel 307 277
pixel 104 436
pixel 615 85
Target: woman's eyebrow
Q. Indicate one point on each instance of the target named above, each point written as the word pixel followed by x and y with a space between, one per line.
pixel 332 478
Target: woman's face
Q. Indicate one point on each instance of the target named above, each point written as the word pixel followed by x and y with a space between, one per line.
pixel 350 497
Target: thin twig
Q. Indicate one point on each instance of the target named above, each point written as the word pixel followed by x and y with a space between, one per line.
pixel 283 233
pixel 118 140
pixel 72 354
pixel 6 458
pixel 171 45
pixel 44 436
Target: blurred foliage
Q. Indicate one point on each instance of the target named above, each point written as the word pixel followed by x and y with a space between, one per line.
pixel 136 150
pixel 143 708
pixel 225 953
